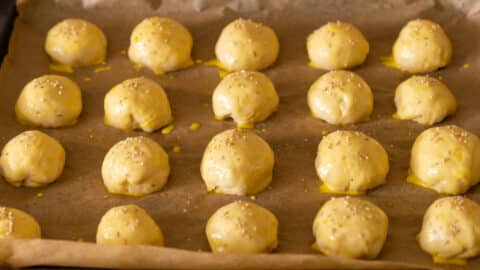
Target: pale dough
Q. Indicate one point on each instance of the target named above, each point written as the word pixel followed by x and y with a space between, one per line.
pixel 242 227
pixel 128 225
pixel 246 45
pixel 237 162
pixel 422 46
pixel 445 159
pixel 76 43
pixel 246 96
pixel 32 159
pixel 15 223
pixel 424 99
pixel 351 162
pixel 136 166
pixel 451 229
pixel 49 101
pixel 161 44
pixel 351 228
pixel 337 45
pixel 137 103
pixel 340 97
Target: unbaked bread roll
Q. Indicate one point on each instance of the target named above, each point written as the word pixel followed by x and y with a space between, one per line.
pixel 49 101
pixel 445 159
pixel 351 162
pixel 32 159
pixel 15 223
pixel 351 228
pixel 451 230
pixel 242 227
pixel 135 166
pixel 424 99
pixel 76 43
pixel 246 96
pixel 337 45
pixel 161 44
pixel 246 45
pixel 340 97
pixel 128 225
pixel 237 162
pixel 422 46
pixel 138 103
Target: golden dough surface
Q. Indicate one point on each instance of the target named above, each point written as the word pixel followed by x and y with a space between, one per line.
pixel 161 44
pixel 242 227
pixel 247 45
pixel 350 227
pixel 337 45
pixel 237 162
pixel 351 162
pixel 246 96
pixel 422 46
pixel 137 103
pixel 77 43
pixel 32 159
pixel 445 159
pixel 128 225
pixel 135 166
pixel 340 97
pixel 424 100
pixel 49 101
pixel 451 229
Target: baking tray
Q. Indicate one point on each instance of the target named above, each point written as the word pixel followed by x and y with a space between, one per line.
pixel 71 207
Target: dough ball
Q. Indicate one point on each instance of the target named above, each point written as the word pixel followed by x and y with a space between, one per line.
pixel 246 96
pixel 136 166
pixel 32 159
pixel 424 100
pixel 351 162
pixel 76 43
pixel 422 46
pixel 445 159
pixel 246 45
pixel 340 97
pixel 138 103
pixel 337 45
pixel 451 229
pixel 351 228
pixel 161 44
pixel 242 227
pixel 15 223
pixel 237 162
pixel 49 101
pixel 128 225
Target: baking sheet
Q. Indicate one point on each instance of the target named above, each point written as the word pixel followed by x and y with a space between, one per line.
pixel 71 208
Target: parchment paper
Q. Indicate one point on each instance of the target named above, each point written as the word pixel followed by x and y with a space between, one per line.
pixel 72 207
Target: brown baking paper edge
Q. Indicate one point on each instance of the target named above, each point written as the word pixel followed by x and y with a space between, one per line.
pixel 70 208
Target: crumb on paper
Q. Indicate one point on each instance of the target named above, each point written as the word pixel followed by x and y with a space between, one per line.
pixel 40 194
pixel 253 197
pixel 60 68
pixel 466 65
pixel 194 126
pixel 176 149
pixel 87 79
pixel 168 129
pixel 103 69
